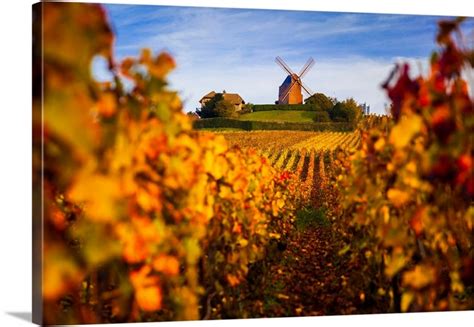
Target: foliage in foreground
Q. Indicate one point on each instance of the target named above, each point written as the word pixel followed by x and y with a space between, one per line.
pixel 144 218
pixel 409 189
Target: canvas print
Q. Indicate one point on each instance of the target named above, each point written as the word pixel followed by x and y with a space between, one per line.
pixel 205 163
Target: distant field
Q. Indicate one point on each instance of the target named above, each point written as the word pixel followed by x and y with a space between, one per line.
pixel 292 140
pixel 310 155
pixel 280 115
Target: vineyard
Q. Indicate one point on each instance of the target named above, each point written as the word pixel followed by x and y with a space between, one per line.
pixel 309 155
pixel 139 217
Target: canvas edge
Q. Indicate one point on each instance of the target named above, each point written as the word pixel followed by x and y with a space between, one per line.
pixel 37 189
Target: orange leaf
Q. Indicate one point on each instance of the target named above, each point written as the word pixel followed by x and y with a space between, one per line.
pixel 233 280
pixel 419 277
pixel 107 105
pixel 416 222
pixel 397 197
pixel 166 264
pixel 147 289
pixel 149 298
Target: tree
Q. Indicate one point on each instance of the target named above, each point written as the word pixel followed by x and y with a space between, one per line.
pixel 225 108
pixel 353 110
pixel 321 116
pixel 247 108
pixel 320 101
pixel 217 107
pixel 346 111
pixel 337 113
pixel 209 108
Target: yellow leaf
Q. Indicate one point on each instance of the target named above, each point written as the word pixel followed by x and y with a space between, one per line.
pixel 240 184
pixel 148 201
pixel 280 203
pixel 99 194
pixel 404 131
pixel 60 273
pixel 386 214
pixel 379 145
pixel 225 192
pixel 344 250
pixel 215 166
pixel 193 250
pixel 283 296
pixel 456 283
pixel 419 277
pixel 395 262
pixel 274 235
pixel 397 197
pixel 220 145
pixel 407 298
pixel 243 242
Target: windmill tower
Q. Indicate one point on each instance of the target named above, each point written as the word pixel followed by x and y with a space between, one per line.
pixel 290 91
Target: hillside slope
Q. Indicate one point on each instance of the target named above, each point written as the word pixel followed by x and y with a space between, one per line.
pixel 280 115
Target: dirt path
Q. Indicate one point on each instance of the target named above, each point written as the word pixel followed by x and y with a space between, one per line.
pixel 311 277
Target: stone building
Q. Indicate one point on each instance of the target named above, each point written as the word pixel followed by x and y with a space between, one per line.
pixel 233 98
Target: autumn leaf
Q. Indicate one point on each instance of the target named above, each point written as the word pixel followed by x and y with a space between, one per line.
pixel 149 298
pixel 232 280
pixel 407 299
pixel 148 293
pixel 398 197
pixel 419 277
pixel 99 194
pixel 60 274
pixel 405 130
pixel 160 66
pixel 107 105
pixel 134 247
pixel 395 262
pixel 168 265
pixel 416 222
pixel 379 145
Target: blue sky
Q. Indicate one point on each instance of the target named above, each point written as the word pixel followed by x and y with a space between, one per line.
pixel 234 49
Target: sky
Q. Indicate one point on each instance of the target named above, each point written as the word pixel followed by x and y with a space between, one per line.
pixel 235 49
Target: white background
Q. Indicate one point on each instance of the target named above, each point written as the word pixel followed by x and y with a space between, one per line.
pixel 15 164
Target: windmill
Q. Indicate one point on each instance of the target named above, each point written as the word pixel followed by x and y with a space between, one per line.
pixel 290 90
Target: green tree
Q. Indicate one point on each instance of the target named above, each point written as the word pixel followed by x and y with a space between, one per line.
pixel 209 109
pixel 337 113
pixel 321 117
pixel 217 107
pixel 247 108
pixel 346 111
pixel 353 110
pixel 320 101
pixel 225 108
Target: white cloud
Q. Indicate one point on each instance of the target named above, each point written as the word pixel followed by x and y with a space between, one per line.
pixel 234 50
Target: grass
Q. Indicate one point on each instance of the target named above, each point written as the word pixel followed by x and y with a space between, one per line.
pixel 280 115
pixel 311 217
